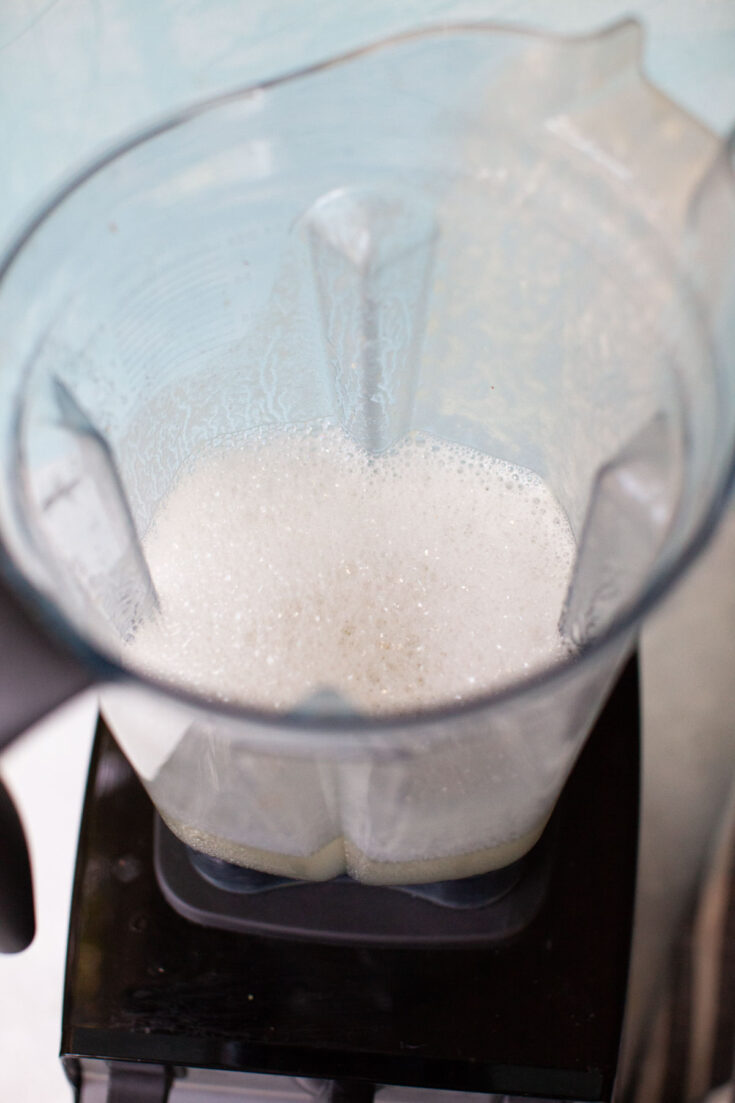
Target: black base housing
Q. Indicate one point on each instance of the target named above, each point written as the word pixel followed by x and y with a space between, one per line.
pixel 538 1013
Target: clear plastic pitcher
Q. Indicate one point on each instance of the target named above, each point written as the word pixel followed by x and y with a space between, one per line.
pixel 506 241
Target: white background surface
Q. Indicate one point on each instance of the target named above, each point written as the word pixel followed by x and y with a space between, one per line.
pixel 76 74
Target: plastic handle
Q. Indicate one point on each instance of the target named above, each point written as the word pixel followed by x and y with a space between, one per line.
pixel 36 675
pixel 17 919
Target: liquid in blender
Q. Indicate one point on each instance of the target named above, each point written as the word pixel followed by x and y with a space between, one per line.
pixel 295 561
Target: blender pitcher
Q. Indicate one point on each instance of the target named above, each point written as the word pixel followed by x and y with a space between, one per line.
pixel 504 240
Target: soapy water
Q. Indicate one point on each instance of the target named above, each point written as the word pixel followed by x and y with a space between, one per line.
pixel 293 561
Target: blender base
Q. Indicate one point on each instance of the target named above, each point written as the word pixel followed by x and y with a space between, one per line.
pixel 537 1014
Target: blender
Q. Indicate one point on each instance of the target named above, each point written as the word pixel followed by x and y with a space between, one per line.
pixel 506 241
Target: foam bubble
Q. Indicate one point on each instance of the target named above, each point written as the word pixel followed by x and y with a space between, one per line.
pixel 294 561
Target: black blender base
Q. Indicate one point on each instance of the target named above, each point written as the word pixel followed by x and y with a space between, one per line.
pixel 491 907
pixel 538 1014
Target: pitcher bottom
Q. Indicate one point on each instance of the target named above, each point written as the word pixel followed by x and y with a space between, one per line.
pixel 342 856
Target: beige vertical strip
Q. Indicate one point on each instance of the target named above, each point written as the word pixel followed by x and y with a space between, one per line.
pixel 650 1083
pixel 707 953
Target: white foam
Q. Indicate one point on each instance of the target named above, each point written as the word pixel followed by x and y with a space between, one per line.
pixel 295 561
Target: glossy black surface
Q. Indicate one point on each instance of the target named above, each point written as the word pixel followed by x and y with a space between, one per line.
pixel 539 1013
